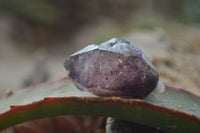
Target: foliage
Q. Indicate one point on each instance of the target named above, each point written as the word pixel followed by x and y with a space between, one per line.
pixel 174 110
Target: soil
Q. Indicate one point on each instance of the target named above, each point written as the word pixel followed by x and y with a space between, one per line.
pixel 175 52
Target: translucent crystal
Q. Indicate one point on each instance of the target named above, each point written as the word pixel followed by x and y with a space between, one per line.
pixel 113 68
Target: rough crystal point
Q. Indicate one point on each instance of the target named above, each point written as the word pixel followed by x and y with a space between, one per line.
pixel 113 68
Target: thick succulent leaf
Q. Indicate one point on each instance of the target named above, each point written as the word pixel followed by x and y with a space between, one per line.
pixel 60 88
pixel 175 110
pixel 177 98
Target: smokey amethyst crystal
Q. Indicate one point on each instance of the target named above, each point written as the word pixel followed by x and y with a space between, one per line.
pixel 113 68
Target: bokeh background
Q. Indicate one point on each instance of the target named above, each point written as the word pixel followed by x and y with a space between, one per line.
pixel 36 36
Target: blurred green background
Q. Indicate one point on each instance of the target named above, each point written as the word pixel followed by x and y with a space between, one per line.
pixel 44 22
pixel 36 36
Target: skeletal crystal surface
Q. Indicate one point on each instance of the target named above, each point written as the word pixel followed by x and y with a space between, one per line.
pixel 113 68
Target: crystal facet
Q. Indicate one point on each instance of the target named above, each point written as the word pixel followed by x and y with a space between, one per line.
pixel 113 68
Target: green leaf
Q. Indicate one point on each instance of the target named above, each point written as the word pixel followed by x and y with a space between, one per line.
pixel 174 111
pixel 34 11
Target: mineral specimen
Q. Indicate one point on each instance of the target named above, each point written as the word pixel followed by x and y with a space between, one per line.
pixel 113 68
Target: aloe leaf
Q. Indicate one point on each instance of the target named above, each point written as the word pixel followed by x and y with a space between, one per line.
pixel 174 111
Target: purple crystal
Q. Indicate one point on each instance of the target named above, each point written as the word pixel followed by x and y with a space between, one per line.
pixel 113 68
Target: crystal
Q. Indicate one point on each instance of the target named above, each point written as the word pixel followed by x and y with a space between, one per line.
pixel 113 68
